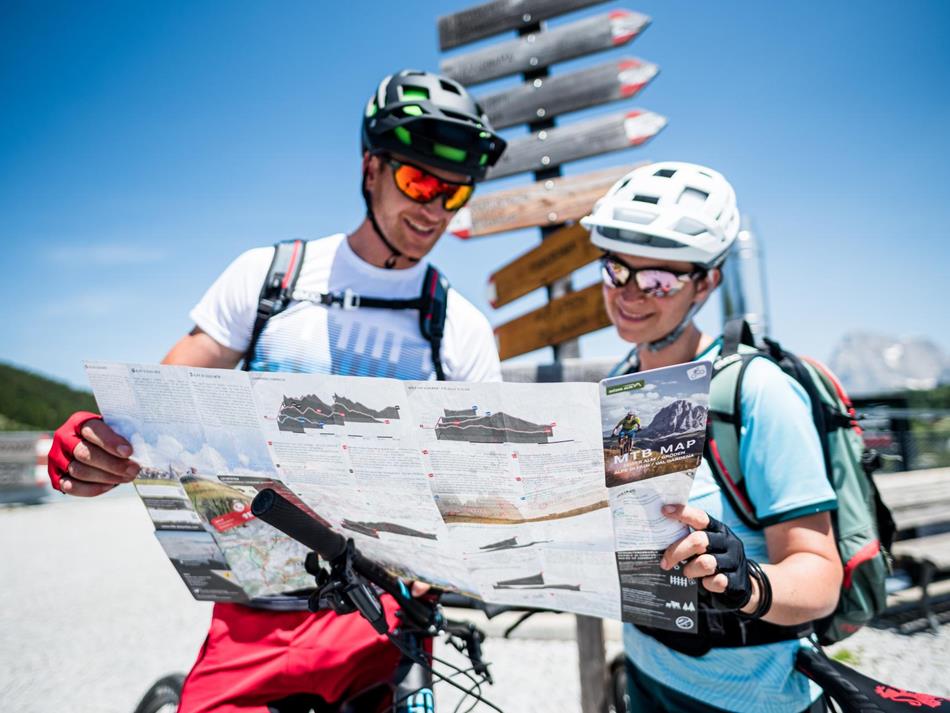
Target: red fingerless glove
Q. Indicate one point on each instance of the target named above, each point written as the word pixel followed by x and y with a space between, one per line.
pixel 65 440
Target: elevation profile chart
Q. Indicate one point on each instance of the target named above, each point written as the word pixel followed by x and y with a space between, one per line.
pixel 466 425
pixel 298 413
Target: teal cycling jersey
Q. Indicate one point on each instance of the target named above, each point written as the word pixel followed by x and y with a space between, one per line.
pixel 785 477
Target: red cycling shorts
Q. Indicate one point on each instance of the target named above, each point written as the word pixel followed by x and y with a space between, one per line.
pixel 253 656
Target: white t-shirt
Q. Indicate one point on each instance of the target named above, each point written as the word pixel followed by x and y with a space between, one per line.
pixel 313 338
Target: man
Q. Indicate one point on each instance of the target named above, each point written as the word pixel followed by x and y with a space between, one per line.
pixel 626 429
pixel 666 229
pixel 425 144
pixel 628 425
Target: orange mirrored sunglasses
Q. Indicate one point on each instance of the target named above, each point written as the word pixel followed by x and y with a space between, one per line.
pixel 423 187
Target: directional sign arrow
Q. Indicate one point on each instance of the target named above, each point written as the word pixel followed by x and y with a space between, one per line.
pixel 565 318
pixel 492 18
pixel 549 202
pixel 562 252
pixel 551 96
pixel 542 49
pixel 553 147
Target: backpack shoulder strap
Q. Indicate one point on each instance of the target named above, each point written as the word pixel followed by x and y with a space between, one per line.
pixel 433 303
pixel 724 429
pixel 629 365
pixel 736 332
pixel 277 290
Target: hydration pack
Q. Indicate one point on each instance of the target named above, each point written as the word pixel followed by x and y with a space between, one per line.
pixel 863 526
pixel 279 290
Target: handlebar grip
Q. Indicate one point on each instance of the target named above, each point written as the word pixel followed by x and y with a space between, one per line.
pixel 277 511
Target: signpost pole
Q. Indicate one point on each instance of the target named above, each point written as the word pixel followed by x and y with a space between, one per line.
pixel 590 630
pixel 563 286
pixel 553 200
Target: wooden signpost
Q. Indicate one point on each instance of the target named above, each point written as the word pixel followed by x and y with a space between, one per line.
pixel 552 200
pixel 549 202
pixel 552 147
pixel 559 255
pixel 489 19
pixel 561 319
pixel 560 94
pixel 539 50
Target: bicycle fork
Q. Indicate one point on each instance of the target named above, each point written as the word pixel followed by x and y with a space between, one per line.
pixel 413 689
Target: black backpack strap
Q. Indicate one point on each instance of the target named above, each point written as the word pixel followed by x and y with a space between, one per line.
pixel 277 290
pixel 724 630
pixel 348 299
pixel 734 333
pixel 629 365
pixel 433 309
pixel 432 304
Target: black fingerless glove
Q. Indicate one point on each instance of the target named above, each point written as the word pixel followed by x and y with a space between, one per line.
pixel 731 561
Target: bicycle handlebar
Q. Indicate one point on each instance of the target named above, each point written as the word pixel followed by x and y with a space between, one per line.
pixel 277 511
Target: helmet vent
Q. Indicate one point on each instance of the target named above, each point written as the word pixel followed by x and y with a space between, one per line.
pixel 634 216
pixel 665 173
pixel 690 227
pixel 646 199
pixel 634 238
pixel 449 87
pixel 692 197
pixel 456 115
pixel 409 92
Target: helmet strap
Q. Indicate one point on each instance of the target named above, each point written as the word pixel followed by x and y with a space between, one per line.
pixel 391 260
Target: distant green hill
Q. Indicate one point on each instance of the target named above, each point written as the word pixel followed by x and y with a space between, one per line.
pixel 29 401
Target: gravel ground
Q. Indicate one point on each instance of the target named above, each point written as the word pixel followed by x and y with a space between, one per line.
pixel 92 612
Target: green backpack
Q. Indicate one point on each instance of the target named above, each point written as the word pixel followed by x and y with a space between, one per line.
pixel 864 528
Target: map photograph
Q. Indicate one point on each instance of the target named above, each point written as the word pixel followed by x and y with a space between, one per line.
pixel 651 425
pixel 184 446
pixel 201 565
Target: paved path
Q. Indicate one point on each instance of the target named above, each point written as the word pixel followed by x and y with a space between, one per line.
pixel 91 612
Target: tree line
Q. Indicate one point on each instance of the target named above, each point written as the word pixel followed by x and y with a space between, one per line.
pixel 30 402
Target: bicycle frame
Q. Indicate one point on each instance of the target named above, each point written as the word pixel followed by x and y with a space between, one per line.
pixel 345 589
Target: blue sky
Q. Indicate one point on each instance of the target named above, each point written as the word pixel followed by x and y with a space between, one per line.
pixel 144 145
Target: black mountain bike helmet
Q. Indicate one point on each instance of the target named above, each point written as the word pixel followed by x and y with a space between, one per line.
pixel 433 120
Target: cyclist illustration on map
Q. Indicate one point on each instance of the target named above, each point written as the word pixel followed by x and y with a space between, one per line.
pixel 625 430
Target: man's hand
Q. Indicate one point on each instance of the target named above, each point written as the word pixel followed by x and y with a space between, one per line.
pixel 419 589
pixel 88 458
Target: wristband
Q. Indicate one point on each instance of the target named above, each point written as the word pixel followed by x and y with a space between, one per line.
pixel 65 440
pixel 765 591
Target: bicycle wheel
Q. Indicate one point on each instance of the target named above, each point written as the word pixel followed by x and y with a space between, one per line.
pixel 163 696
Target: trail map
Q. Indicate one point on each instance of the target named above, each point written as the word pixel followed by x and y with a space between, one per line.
pixel 535 495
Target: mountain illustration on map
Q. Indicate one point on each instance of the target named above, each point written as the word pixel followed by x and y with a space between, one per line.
pixel 466 425
pixel 298 413
pixel 510 544
pixel 498 510
pixel 534 581
pixel 372 529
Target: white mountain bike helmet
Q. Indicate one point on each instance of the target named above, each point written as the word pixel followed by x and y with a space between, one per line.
pixel 668 211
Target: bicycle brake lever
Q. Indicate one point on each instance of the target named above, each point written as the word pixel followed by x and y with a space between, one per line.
pixel 473 637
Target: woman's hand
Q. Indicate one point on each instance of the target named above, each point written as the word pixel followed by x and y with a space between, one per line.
pixel 714 555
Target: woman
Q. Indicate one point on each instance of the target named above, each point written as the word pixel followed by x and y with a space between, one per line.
pixel 666 229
